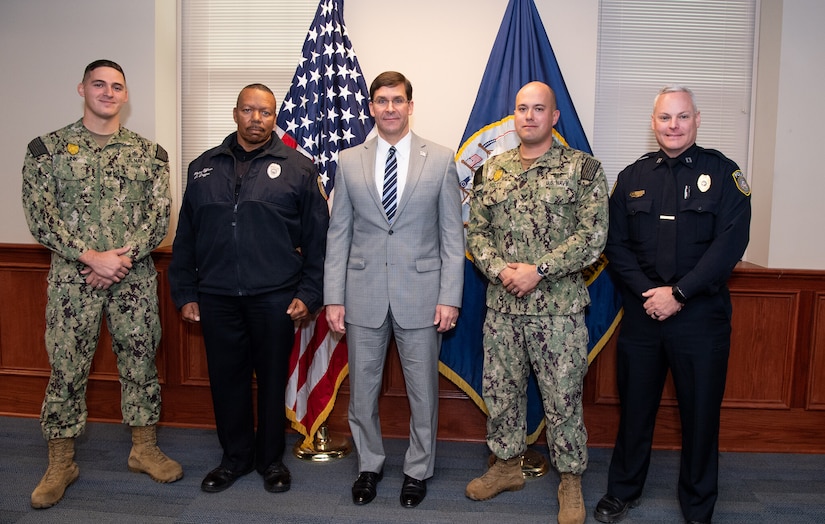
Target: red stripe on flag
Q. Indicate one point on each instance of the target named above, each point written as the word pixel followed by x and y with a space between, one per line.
pixel 288 140
pixel 318 365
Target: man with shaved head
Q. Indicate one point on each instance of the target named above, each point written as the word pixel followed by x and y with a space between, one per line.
pixel 538 217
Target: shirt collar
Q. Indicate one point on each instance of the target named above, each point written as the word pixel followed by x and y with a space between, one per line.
pixel 402 147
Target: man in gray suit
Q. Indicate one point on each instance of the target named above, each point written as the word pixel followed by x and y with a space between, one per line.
pixel 394 265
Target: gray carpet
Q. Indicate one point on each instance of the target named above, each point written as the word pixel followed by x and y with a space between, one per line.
pixel 754 487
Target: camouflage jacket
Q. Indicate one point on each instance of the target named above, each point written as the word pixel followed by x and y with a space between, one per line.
pixel 553 215
pixel 78 197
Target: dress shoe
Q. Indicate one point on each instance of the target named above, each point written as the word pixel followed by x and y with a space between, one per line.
pixel 413 491
pixel 365 487
pixel 610 509
pixel 277 478
pixel 220 478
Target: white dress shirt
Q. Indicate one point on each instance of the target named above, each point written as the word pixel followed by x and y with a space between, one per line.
pixel 402 156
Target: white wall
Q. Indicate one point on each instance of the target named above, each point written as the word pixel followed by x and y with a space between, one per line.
pixel 442 46
pixel 444 55
pixel 44 47
pixel 798 215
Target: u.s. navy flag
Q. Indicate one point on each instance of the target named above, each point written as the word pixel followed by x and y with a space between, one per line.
pixel 521 53
pixel 326 110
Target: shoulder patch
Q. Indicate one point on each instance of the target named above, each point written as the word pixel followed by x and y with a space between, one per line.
pixel 161 153
pixel 477 176
pixel 321 188
pixel 741 182
pixel 590 167
pixel 38 148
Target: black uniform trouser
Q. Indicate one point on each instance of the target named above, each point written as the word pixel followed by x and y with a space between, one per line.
pixel 246 335
pixel 694 344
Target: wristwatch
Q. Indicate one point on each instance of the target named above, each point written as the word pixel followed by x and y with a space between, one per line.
pixel 678 295
pixel 539 271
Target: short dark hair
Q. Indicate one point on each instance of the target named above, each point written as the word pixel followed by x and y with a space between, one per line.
pixel 259 87
pixel 102 63
pixel 390 79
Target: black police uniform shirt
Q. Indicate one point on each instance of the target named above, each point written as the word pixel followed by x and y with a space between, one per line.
pixel 712 221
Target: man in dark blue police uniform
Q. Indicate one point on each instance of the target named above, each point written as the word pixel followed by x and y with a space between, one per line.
pixel 679 223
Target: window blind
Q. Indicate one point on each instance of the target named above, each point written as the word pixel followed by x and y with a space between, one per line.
pixel 644 45
pixel 226 45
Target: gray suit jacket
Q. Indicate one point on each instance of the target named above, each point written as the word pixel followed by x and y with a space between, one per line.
pixel 411 266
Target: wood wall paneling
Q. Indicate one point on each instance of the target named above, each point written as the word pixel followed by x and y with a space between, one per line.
pixel 816 371
pixel 24 293
pixel 775 397
pixel 763 344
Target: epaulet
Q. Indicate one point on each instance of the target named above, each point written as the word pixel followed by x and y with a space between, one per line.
pixel 37 147
pixel 721 156
pixel 589 168
pixel 161 153
pixel 716 153
pixel 646 156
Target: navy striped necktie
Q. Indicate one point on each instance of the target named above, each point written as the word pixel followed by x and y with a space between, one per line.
pixel 390 195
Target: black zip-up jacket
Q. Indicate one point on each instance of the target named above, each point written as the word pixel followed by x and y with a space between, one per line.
pixel 267 234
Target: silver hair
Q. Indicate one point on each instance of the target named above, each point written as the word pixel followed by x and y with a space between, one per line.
pixel 675 88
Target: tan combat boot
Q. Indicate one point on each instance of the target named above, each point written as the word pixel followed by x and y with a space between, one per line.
pixel 62 471
pixel 571 502
pixel 503 475
pixel 146 457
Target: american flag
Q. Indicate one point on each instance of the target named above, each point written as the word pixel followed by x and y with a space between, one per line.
pixel 326 110
pixel 327 107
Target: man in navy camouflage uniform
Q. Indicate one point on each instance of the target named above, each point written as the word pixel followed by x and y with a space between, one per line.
pixel 97 195
pixel 679 223
pixel 537 219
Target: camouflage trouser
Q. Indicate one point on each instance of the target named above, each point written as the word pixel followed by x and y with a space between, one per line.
pixel 73 319
pixel 556 346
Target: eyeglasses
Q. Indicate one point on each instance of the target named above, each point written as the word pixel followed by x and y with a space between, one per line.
pixel 384 102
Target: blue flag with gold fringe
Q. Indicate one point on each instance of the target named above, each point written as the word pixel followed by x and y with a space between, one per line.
pixel 521 54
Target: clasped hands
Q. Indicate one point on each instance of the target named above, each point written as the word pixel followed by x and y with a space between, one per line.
pixel 519 279
pixel 661 304
pixel 104 268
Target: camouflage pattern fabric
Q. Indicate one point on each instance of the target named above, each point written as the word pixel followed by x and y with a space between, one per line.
pixel 556 347
pixel 553 215
pixel 73 317
pixel 78 196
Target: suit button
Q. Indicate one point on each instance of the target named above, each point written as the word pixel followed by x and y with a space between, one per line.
pixel 391 231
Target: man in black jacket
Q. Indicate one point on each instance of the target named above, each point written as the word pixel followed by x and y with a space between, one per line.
pixel 247 263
